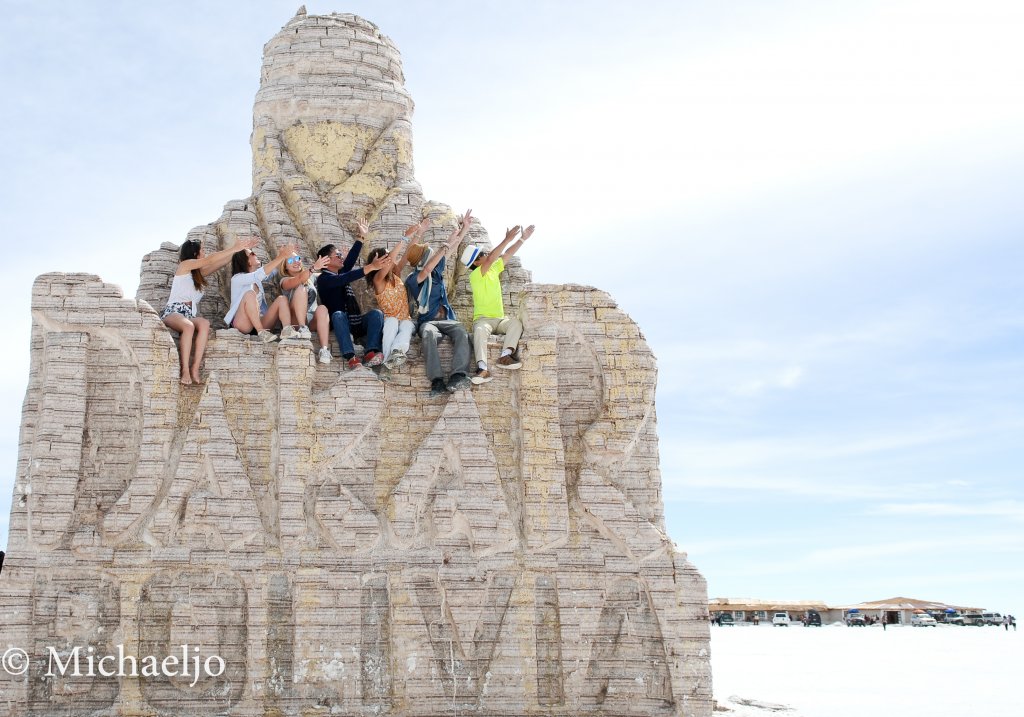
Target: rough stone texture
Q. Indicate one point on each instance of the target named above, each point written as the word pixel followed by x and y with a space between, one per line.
pixel 346 546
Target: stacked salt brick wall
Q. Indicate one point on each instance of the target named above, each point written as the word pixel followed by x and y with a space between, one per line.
pixel 343 543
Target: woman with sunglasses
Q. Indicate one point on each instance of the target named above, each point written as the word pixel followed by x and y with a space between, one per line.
pixel 298 288
pixel 392 297
pixel 182 311
pixel 249 311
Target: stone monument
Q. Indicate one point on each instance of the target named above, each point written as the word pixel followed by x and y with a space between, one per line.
pixel 298 539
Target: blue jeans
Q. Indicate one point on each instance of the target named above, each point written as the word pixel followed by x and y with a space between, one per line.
pixel 372 328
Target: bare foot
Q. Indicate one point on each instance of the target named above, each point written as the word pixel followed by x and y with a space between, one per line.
pixel 186 380
pixel 195 375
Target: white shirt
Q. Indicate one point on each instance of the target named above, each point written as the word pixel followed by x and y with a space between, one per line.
pixel 184 291
pixel 243 283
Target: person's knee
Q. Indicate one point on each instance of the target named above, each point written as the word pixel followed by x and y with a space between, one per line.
pixel 202 325
pixel 188 328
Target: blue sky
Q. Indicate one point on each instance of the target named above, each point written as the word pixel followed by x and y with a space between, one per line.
pixel 812 212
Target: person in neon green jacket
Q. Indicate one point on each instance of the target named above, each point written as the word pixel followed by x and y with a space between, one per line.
pixel 488 304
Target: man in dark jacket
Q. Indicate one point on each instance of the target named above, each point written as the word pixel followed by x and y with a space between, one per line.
pixel 334 289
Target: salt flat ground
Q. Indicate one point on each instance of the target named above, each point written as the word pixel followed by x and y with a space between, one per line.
pixel 839 671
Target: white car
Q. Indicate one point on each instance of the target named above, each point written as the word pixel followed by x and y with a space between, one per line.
pixel 780 618
pixel 922 620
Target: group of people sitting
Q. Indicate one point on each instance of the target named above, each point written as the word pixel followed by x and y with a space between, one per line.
pixel 322 296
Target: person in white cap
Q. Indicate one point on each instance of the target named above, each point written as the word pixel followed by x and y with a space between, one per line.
pixel 488 304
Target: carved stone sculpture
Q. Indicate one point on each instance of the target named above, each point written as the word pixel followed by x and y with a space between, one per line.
pixel 341 545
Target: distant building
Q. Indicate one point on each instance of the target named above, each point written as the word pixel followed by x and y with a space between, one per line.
pixel 895 610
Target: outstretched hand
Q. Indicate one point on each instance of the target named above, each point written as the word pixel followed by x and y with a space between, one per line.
pixel 320 263
pixel 465 219
pixel 527 233
pixel 377 264
pixel 287 250
pixel 363 228
pixel 246 243
pixel 511 233
pixel 417 229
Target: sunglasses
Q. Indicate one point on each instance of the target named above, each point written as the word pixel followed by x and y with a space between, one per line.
pixel 294 260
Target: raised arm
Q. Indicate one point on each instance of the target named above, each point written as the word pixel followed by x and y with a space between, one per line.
pixel 290 282
pixel 453 242
pixel 412 234
pixel 282 254
pixel 492 256
pixel 209 264
pixel 511 251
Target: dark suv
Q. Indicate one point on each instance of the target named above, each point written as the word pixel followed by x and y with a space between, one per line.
pixel 812 618
pixel 725 619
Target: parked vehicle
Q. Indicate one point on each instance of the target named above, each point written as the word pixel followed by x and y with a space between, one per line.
pixel 922 620
pixel 812 618
pixel 992 618
pixel 974 619
pixel 726 619
pixel 855 619
pixel 780 618
pixel 954 619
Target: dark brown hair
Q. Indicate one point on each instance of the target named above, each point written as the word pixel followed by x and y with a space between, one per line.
pixel 240 262
pixel 190 250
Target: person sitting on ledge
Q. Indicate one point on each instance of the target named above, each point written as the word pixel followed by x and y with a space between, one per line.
pixel 434 315
pixel 393 299
pixel 488 305
pixel 298 288
pixel 182 311
pixel 249 311
pixel 334 287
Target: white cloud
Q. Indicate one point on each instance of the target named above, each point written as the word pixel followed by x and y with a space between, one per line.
pixel 1004 509
pixel 864 553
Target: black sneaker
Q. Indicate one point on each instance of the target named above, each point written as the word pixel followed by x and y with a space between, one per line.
pixel 438 388
pixel 458 381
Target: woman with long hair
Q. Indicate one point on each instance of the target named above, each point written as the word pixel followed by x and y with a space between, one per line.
pixel 392 297
pixel 249 310
pixel 298 288
pixel 182 311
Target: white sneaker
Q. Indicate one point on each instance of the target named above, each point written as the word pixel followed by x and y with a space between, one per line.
pixel 396 359
pixel 304 333
pixel 288 332
pixel 267 336
pixel 325 355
